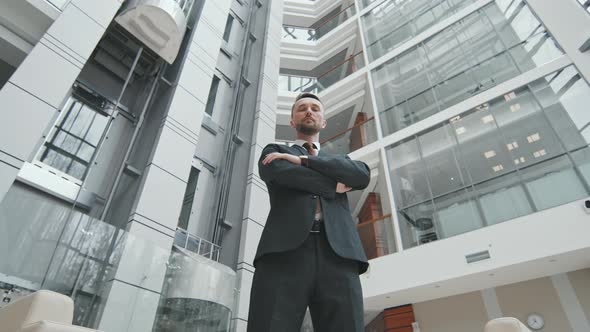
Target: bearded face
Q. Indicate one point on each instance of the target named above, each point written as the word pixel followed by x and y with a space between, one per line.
pixel 308 116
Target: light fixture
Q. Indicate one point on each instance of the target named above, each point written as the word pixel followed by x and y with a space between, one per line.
pixel 539 153
pixel 455 119
pixel 487 119
pixel 460 130
pixel 510 96
pixel 533 138
pixel 519 160
pixel 490 154
pixel 498 168
pixel 512 146
pixel 515 107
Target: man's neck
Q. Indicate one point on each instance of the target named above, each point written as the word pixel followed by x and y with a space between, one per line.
pixel 309 138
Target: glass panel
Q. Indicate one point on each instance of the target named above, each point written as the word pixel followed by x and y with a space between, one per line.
pixel 407 174
pixel 377 237
pixel 440 156
pixel 581 159
pixel 457 214
pixel 553 183
pixel 503 199
pixel 393 22
pixel 352 139
pixel 508 148
pixel 417 225
pixel 481 146
pixel 467 58
pixel 74 139
pixel 565 98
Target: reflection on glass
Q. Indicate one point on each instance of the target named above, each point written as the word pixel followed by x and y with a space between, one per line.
pixel 377 237
pixel 75 138
pixel 359 135
pixel 480 51
pixel 516 154
pixel 111 275
pixel 391 23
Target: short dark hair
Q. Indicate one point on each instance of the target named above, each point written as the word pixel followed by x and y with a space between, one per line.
pixel 305 95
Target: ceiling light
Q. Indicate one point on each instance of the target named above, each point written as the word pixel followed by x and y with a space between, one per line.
pixel 533 138
pixel 539 153
pixel 519 160
pixel 460 130
pixel 490 154
pixel 515 107
pixel 487 119
pixel 510 96
pixel 498 168
pixel 457 118
pixel 512 146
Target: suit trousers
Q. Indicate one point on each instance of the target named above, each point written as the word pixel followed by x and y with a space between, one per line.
pixel 313 276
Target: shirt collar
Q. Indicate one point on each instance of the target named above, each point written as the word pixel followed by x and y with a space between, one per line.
pixel 300 142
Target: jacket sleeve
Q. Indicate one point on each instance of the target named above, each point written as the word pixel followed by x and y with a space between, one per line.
pixel 284 173
pixel 353 173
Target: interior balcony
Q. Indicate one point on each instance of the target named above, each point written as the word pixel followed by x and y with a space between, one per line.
pixel 307 13
pixel 304 46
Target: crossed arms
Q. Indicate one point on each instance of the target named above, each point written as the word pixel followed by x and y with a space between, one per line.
pixel 324 175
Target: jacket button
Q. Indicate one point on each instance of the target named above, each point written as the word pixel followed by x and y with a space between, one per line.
pixel 314 196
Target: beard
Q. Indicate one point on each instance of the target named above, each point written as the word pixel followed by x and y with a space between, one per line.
pixel 307 129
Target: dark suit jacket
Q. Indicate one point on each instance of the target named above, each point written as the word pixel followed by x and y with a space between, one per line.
pixel 293 192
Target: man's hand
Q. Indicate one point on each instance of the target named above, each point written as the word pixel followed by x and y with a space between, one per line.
pixel 342 188
pixel 276 155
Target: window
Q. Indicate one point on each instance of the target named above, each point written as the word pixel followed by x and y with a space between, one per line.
pixel 76 135
pixel 189 197
pixel 228 25
pixel 212 95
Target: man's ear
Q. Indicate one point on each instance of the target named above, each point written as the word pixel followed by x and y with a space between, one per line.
pixel 291 123
pixel 324 124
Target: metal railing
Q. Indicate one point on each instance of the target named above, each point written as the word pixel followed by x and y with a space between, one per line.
pixel 59 4
pixel 199 246
pixel 314 33
pixel 343 69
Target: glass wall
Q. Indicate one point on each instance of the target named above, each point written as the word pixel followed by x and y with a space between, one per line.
pixel 519 153
pixel 490 46
pixel 393 22
pixel 113 276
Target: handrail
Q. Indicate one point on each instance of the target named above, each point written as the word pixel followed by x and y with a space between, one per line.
pixel 338 65
pixel 373 221
pixel 346 130
pixel 322 23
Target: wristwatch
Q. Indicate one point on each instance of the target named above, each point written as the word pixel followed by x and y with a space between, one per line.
pixel 304 160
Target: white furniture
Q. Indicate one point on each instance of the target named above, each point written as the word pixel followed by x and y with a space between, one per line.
pixel 505 324
pixel 42 311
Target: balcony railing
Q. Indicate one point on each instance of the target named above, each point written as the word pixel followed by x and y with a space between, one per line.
pixel 322 28
pixel 377 236
pixel 317 84
pixel 362 133
pixel 59 4
pixel 196 244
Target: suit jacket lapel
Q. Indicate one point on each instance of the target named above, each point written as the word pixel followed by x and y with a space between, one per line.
pixel 298 150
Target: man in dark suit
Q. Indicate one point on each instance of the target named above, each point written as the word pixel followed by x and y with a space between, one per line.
pixel 309 253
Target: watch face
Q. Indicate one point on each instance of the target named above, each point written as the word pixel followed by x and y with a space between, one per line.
pixel 535 321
